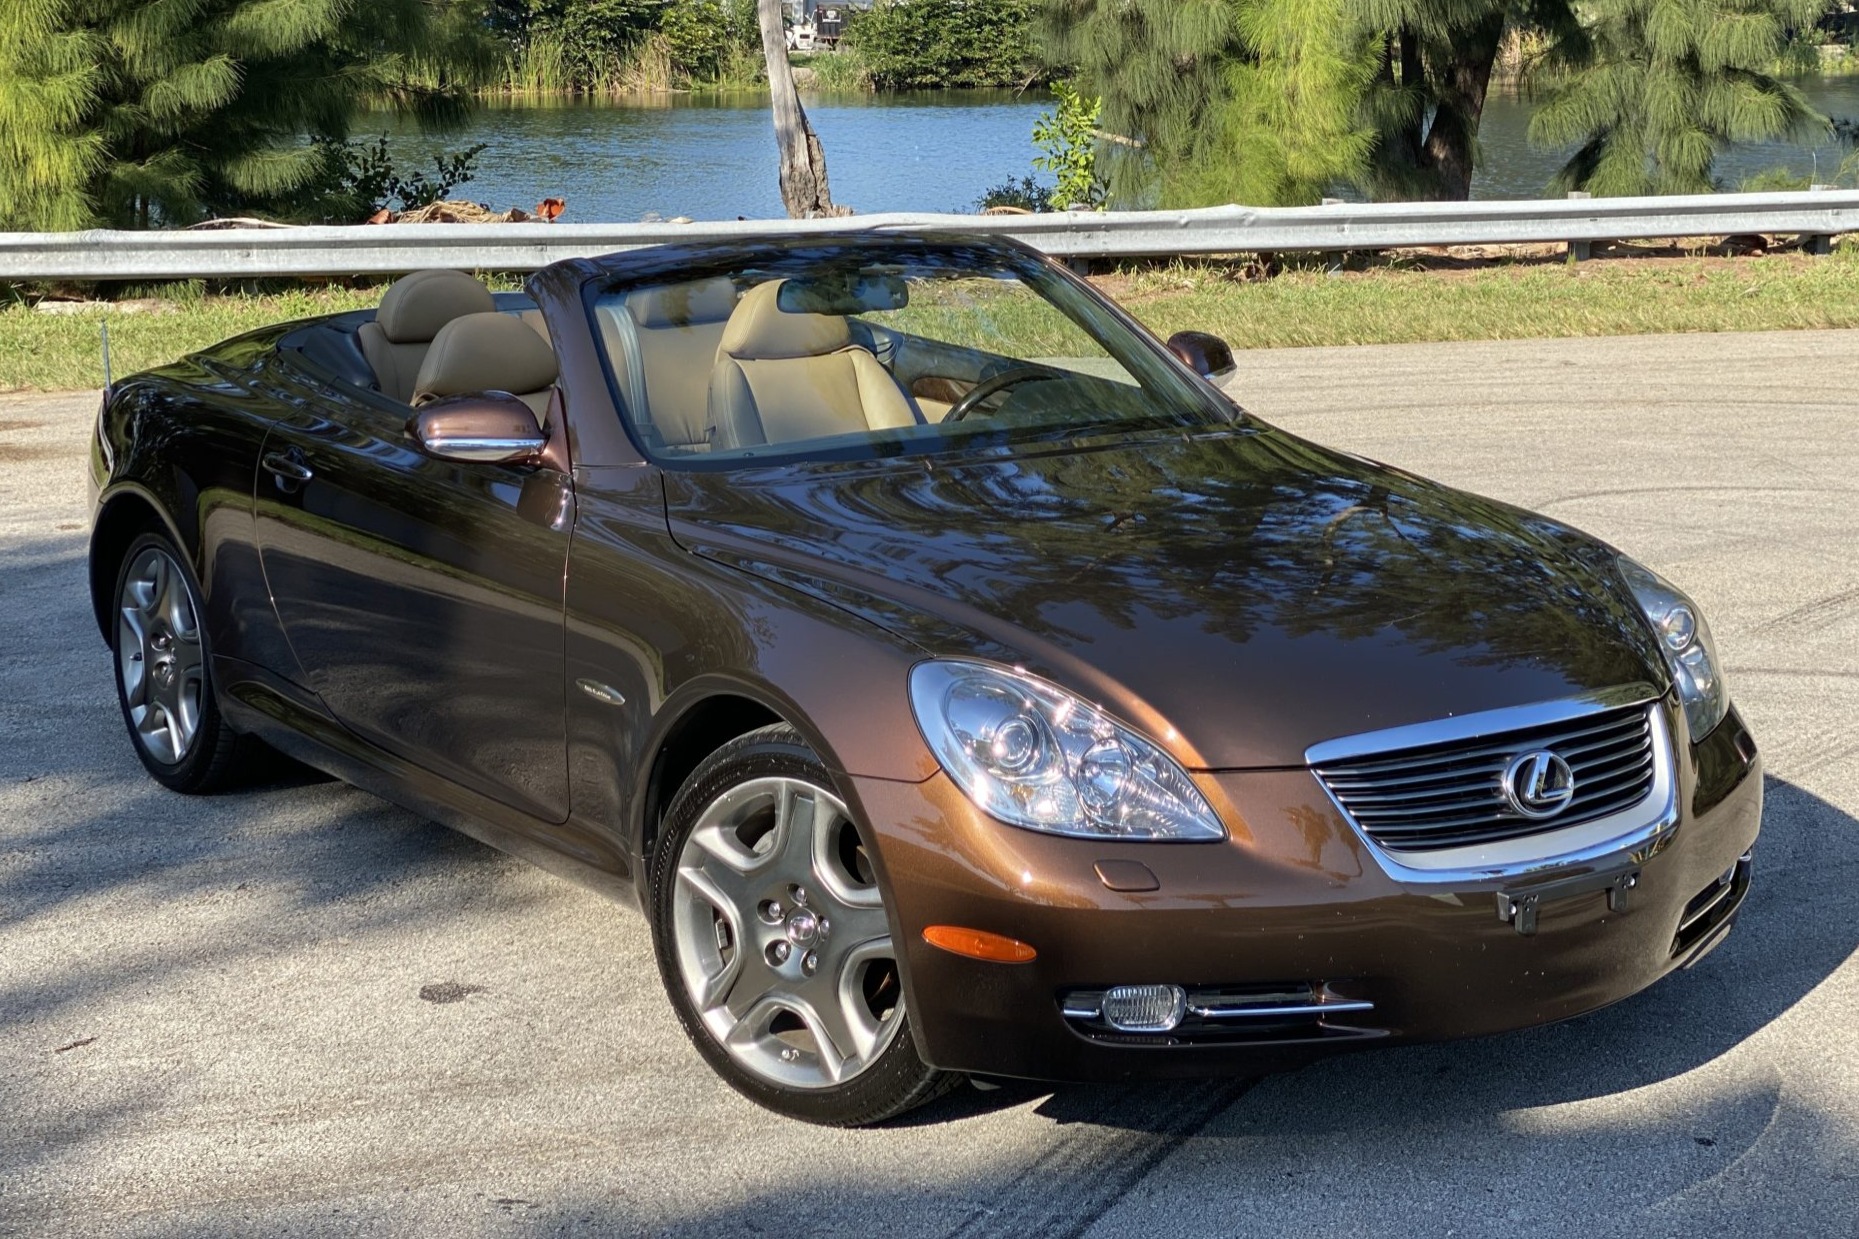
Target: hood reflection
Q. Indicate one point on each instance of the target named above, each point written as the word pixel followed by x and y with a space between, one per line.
pixel 1255 591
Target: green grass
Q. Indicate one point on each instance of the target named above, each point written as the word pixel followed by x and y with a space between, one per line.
pixel 1389 303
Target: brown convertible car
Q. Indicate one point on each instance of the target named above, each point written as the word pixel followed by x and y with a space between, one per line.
pixel 959 681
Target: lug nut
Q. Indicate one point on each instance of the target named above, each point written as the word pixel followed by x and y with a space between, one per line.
pixel 772 911
pixel 779 952
pixel 810 963
pixel 800 896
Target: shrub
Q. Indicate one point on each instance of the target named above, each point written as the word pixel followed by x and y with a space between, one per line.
pixel 1025 193
pixel 571 46
pixel 711 42
pixel 931 44
pixel 359 178
pixel 1067 140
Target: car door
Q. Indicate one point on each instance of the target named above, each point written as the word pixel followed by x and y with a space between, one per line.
pixel 423 598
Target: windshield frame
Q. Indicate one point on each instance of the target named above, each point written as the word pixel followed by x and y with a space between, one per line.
pixel 1161 375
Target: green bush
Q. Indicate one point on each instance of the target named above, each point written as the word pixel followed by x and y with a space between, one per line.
pixel 1026 193
pixel 1067 141
pixel 710 42
pixel 571 46
pixel 931 44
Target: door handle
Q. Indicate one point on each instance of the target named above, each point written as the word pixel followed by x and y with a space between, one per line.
pixel 288 468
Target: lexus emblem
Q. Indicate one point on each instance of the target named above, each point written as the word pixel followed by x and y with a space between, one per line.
pixel 1539 784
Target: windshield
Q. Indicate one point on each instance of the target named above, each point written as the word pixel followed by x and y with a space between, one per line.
pixel 866 350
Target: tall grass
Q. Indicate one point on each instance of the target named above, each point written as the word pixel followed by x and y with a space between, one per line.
pixel 540 67
pixel 741 69
pixel 649 68
pixel 544 66
pixel 840 72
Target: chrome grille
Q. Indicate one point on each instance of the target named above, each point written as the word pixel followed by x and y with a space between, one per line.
pixel 1452 795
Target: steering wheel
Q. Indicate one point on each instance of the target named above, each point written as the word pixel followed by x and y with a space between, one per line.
pixel 999 383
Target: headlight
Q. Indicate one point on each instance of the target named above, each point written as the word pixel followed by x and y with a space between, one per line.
pixel 1033 755
pixel 1685 640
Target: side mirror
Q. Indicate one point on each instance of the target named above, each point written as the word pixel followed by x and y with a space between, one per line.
pixel 1206 355
pixel 485 428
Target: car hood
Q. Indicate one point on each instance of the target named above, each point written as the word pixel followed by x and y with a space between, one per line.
pixel 1240 594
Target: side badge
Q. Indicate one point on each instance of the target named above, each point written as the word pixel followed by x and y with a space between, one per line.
pixel 606 694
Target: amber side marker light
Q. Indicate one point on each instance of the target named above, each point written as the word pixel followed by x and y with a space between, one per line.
pixel 979 944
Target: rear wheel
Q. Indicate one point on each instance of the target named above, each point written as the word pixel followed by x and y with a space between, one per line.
pixel 163 681
pixel 773 941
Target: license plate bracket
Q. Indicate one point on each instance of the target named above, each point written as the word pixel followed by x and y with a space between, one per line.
pixel 1518 907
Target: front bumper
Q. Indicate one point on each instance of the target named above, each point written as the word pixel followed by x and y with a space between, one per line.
pixel 1293 899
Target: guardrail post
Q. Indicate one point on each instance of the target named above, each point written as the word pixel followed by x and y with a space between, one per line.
pixel 1580 251
pixel 1819 243
pixel 1333 258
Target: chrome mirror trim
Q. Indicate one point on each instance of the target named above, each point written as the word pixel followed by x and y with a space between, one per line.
pixel 484 428
pixel 485 450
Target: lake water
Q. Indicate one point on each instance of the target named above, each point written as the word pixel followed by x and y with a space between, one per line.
pixel 1512 168
pixel 713 157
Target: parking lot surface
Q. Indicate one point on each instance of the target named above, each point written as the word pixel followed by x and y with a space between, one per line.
pixel 299 1010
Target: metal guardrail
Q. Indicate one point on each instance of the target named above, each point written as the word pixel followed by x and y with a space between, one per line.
pixel 361 250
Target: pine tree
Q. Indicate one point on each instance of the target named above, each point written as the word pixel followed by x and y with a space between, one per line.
pixel 1428 96
pixel 48 83
pixel 137 113
pixel 1255 101
pixel 1648 91
pixel 1159 66
pixel 1288 129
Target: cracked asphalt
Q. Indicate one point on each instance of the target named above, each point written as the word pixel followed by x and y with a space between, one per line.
pixel 297 1010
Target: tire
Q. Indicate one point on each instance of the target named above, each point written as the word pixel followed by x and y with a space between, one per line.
pixel 773 943
pixel 164 680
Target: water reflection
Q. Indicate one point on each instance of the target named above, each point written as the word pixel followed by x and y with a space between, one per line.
pixel 1259 592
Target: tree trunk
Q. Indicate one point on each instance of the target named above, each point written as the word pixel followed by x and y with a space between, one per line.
pixel 1452 139
pixel 804 190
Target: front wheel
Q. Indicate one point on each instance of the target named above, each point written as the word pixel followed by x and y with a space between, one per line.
pixel 773 941
pixel 163 681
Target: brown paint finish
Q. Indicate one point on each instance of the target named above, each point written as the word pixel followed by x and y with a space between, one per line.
pixel 517 648
pixel 1128 876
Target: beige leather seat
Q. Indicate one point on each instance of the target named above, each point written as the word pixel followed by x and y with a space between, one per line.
pixel 488 352
pixel 662 343
pixel 411 314
pixel 782 376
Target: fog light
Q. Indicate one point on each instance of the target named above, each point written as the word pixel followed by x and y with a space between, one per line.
pixel 1144 1008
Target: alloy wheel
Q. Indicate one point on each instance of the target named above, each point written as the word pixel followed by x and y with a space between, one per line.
pixel 780 937
pixel 159 656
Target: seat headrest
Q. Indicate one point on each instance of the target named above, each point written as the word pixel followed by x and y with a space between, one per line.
pixel 416 307
pixel 485 352
pixel 761 330
pixel 681 305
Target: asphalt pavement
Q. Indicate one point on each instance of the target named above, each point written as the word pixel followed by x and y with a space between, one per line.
pixel 298 1010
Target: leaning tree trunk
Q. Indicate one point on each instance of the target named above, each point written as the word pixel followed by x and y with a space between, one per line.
pixel 803 163
pixel 1452 139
